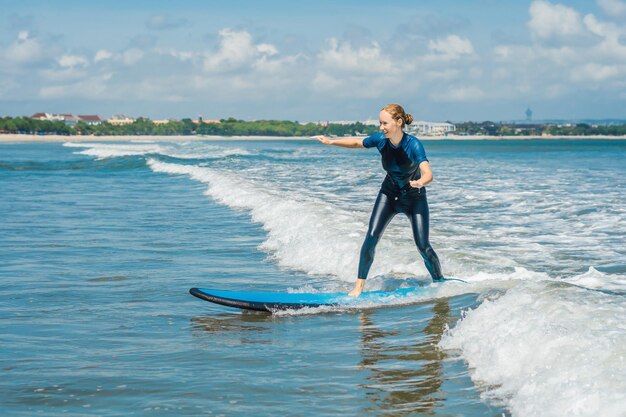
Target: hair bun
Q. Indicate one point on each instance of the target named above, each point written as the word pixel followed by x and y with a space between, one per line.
pixel 408 118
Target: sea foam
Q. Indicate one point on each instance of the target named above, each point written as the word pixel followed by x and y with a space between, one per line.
pixel 299 233
pixel 319 238
pixel 113 150
pixel 175 150
pixel 547 350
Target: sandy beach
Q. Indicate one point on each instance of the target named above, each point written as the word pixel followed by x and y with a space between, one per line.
pixel 12 138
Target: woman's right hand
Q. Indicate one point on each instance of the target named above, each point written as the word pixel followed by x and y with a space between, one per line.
pixel 323 139
pixel 350 142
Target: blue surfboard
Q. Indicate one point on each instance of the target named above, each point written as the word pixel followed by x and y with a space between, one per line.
pixel 273 301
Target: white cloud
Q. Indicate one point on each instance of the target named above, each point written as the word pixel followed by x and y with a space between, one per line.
pixel 605 30
pixel 458 94
pixel 613 8
pixel 172 75
pixel 180 55
pixel 161 87
pixel 102 55
pixel 323 81
pixel 267 49
pixel 503 51
pixel 95 87
pixel 131 56
pixel 444 74
pixel 236 50
pixel 452 47
pixel 343 70
pixel 610 47
pixel 24 50
pixel 554 21
pixel 352 86
pixel 70 61
pixel 567 55
pixel 70 67
pixel 367 59
pixel 570 53
pixel 277 66
pixel 63 74
pixel 593 72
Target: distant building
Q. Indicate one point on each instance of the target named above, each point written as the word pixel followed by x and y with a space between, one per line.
pixel 68 119
pixel 120 120
pixel 90 119
pixel 50 116
pixel 431 128
pixel 528 128
pixel 368 122
pixel 529 114
pixel 342 122
pixel 206 121
pixel 161 121
pixel 41 116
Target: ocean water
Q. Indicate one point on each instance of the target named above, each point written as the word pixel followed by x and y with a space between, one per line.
pixel 100 242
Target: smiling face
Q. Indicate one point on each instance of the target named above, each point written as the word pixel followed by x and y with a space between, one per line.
pixel 390 127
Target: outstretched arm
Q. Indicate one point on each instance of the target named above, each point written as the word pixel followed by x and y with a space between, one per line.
pixel 343 142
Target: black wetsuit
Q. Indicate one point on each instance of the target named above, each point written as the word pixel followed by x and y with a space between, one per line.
pixel 397 196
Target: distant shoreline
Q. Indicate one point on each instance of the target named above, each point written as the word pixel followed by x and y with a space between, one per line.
pixel 12 138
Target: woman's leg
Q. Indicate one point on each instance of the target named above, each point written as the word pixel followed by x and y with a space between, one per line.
pixel 419 218
pixel 382 214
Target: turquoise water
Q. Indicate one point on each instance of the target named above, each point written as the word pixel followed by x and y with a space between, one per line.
pixel 100 242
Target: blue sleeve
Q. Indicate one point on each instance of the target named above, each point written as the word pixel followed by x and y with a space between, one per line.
pixel 373 140
pixel 415 151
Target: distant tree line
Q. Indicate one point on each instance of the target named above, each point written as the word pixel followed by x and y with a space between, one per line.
pixel 585 129
pixel 33 126
pixel 144 126
pixel 234 127
pixel 513 129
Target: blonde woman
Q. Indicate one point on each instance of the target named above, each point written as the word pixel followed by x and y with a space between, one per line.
pixel 402 191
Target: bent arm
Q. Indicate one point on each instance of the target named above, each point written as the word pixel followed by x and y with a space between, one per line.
pixel 354 142
pixel 426 176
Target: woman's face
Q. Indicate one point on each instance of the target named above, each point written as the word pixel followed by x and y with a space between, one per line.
pixel 388 125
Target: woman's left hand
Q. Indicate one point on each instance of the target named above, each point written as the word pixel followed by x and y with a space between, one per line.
pixel 416 184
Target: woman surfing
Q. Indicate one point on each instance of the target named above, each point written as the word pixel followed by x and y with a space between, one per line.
pixel 402 191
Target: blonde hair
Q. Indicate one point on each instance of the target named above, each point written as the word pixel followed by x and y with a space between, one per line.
pixel 397 112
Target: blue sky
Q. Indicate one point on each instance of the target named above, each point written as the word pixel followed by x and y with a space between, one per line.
pixel 315 60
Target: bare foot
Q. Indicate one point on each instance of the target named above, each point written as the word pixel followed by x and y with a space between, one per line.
pixel 358 288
